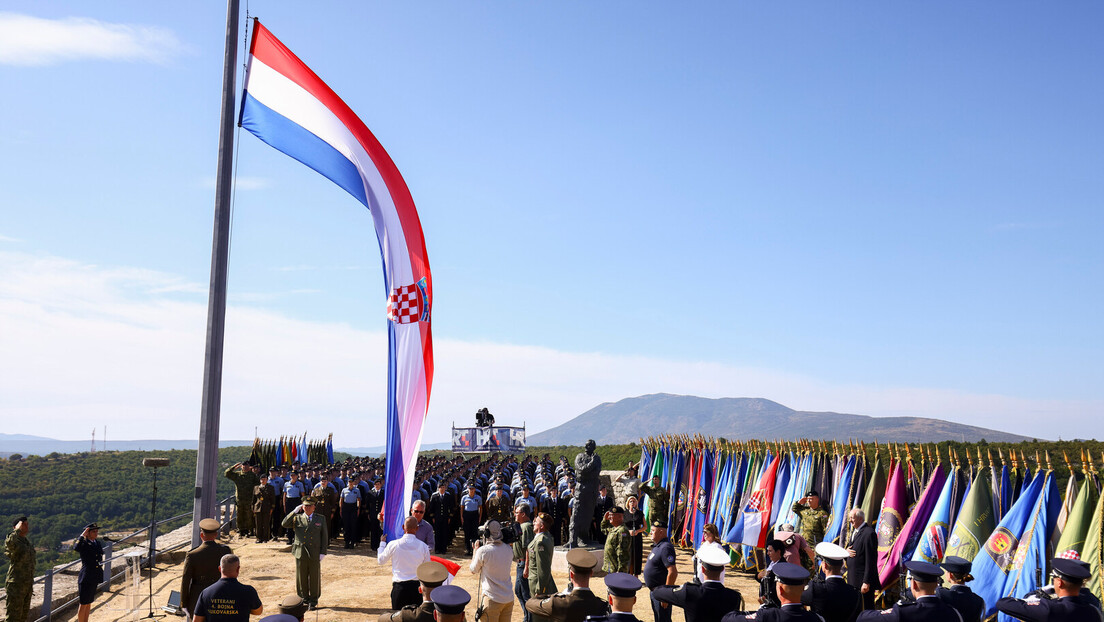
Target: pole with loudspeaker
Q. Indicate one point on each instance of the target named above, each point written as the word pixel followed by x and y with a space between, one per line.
pixel 153 463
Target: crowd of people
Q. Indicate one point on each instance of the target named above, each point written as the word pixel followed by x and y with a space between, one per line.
pixel 511 513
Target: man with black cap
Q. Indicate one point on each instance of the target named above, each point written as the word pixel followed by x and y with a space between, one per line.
pixel 968 604
pixel 832 598
pixel 580 602
pixel 245 481
pixel 449 602
pixel 660 569
pixel 311 532
pixel 709 600
pixel 91 572
pixel 621 588
pixel 439 514
pixel 264 501
pixel 618 541
pixel 1067 577
pixel 430 577
pixel 791 583
pixel 927 608
pixel 201 565
pixel 814 518
pixel 471 508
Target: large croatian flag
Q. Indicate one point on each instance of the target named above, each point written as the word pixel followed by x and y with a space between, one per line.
pixel 289 107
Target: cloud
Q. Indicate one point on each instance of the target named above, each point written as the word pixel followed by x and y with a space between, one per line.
pixel 125 347
pixel 34 41
pixel 4 238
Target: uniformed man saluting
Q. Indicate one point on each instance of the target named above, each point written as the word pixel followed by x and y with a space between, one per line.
pixel 578 604
pixel 791 582
pixel 709 600
pixel 814 518
pixel 832 598
pixel 430 577
pixel 1070 606
pixel 927 608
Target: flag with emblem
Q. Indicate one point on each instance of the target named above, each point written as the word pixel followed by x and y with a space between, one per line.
pixel 288 106
pixel 905 543
pixel 933 539
pixel 757 510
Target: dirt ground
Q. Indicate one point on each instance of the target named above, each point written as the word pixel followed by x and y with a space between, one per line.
pixel 354 585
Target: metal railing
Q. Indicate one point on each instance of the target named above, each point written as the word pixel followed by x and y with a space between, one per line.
pixel 227 514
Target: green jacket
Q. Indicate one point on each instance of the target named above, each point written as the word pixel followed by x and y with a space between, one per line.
pixel 244 482
pixel 660 501
pixel 522 543
pixel 813 522
pixel 311 536
pixel 540 565
pixel 21 558
pixel 618 541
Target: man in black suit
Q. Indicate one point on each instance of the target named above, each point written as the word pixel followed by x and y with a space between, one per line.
pixel 862 567
pixel 709 600
pixel 832 598
pixel 440 515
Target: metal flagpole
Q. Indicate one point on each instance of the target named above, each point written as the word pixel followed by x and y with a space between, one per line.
pixel 207 458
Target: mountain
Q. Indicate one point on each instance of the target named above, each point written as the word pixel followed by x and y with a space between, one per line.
pixel 739 418
pixel 375 452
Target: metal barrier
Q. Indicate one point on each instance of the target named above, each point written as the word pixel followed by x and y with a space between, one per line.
pixel 227 509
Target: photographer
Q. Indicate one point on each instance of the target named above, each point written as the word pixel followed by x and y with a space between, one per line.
pixel 492 559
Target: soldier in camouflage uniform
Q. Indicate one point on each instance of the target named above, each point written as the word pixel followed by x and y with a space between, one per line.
pixel 659 498
pixel 326 499
pixel 618 541
pixel 500 507
pixel 21 565
pixel 245 481
pixel 814 519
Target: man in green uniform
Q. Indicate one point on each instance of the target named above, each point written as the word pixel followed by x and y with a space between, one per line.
pixel 659 500
pixel 521 546
pixel 499 506
pixel 814 519
pixel 201 565
pixel 264 499
pixel 21 565
pixel 245 480
pixel 576 605
pixel 538 560
pixel 311 539
pixel 430 576
pixel 617 541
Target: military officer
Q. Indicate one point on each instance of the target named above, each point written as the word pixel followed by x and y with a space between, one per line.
pixel 372 506
pixel 709 600
pixel 440 515
pixel 245 481
pixel 927 608
pixel 814 518
pixel 325 499
pixel 21 565
pixel 310 529
pixel 622 589
pixel 832 598
pixel 449 603
pixel 538 559
pixel 430 577
pixel 264 501
pixel 1070 606
pixel 968 604
pixel 91 572
pixel 791 582
pixel 660 569
pixel 499 506
pixel 580 602
pixel 658 498
pixel 618 541
pixel 201 565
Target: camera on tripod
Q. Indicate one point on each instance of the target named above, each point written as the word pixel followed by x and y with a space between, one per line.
pixel 507 532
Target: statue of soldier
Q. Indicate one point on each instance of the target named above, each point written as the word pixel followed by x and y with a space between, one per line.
pixel 588 465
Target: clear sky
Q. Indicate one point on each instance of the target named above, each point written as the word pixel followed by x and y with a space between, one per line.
pixel 867 207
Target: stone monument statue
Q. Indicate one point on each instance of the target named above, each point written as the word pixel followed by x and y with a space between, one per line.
pixel 588 466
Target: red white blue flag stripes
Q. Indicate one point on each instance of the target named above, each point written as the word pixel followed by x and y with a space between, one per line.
pixel 289 107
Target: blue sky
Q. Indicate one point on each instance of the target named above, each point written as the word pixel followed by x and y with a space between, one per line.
pixel 877 208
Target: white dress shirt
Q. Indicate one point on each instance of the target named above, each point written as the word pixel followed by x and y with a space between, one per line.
pixel 405 554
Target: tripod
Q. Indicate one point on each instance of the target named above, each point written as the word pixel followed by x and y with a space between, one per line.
pixel 153 463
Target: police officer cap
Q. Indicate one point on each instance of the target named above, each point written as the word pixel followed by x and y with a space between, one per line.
pixel 209 525
pixel 270 469
pixel 832 554
pixel 812 493
pixel 791 574
pixel 660 524
pixel 91 526
pixel 471 484
pixel 622 584
pixel 293 606
pixel 432 574
pixel 617 510
pixel 956 565
pixel 450 599
pixel 712 557
pixel 1070 569
pixel 581 559
pixel 924 572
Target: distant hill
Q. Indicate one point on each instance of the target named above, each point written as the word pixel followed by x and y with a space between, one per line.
pixel 375 452
pixel 27 445
pixel 739 418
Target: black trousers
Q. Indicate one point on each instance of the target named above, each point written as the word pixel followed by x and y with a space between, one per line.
pixel 405 593
pixel 471 528
pixel 289 505
pixel 349 523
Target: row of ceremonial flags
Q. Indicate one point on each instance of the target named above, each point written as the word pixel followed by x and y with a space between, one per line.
pixel 1009 519
pixel 288 450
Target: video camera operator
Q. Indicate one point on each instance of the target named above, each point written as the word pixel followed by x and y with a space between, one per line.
pixel 493 559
